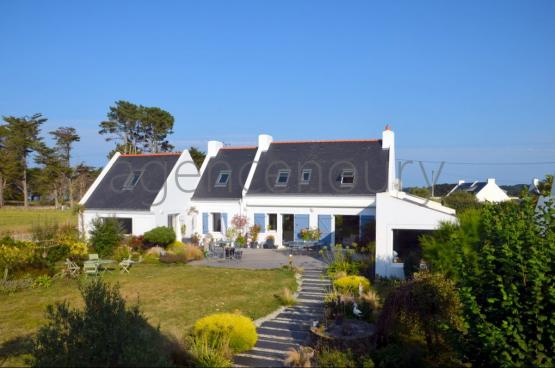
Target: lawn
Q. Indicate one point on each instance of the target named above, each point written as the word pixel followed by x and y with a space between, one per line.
pixel 21 220
pixel 172 296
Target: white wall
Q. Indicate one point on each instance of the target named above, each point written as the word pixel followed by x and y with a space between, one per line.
pixel 397 210
pixel 175 196
pixel 231 207
pixel 142 221
pixel 492 193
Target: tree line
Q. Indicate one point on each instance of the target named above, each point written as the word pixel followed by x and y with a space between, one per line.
pixel 29 167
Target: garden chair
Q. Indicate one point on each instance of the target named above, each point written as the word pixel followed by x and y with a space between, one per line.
pixel 238 255
pixel 71 268
pixel 90 268
pixel 93 257
pixel 126 264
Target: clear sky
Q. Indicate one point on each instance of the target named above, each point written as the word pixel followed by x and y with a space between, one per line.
pixel 460 81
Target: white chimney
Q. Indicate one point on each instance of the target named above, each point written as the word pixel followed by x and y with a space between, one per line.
pixel 491 181
pixel 461 182
pixel 388 138
pixel 213 148
pixel 264 141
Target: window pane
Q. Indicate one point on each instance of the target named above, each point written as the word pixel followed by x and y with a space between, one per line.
pixel 306 176
pixel 217 222
pixel 223 178
pixel 347 177
pixel 283 176
pixel 272 221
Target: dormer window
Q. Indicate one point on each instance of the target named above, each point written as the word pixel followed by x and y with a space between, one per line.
pixel 223 178
pixel 347 177
pixel 305 176
pixel 132 180
pixel 282 178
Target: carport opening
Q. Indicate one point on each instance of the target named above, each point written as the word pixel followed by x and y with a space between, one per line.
pixel 347 230
pixel 407 243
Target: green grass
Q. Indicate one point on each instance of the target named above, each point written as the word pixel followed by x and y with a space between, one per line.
pixel 172 296
pixel 21 220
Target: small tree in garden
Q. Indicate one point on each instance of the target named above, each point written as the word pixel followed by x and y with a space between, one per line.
pixel 105 333
pixel 461 201
pixel 106 234
pixel 503 262
pixel 240 223
pixel 161 236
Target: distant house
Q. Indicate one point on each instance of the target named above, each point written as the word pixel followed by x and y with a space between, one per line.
pixel 484 191
pixel 143 191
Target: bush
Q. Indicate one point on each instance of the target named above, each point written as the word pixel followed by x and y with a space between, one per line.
pixel 340 260
pixel 161 236
pixel 105 333
pixel 43 281
pixel 136 243
pixel 122 252
pixel 351 284
pixel 286 297
pixel 15 254
pixel 240 329
pixel 187 252
pixel 210 352
pixel 310 234
pixel 461 201
pixel 411 264
pixel 106 234
pixel 173 258
pixel 335 358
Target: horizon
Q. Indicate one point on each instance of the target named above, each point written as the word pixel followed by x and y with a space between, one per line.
pixel 231 71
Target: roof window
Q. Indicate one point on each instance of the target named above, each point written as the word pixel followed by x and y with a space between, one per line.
pixel 282 178
pixel 347 177
pixel 223 178
pixel 132 180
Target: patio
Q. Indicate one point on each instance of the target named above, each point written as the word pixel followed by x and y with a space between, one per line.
pixel 265 259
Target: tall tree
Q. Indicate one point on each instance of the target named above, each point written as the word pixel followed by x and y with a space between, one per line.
pixel 84 177
pixel 3 164
pixel 21 138
pixel 65 137
pixel 52 176
pixel 137 128
pixel 197 156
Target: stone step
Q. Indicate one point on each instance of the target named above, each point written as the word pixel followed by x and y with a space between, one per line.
pixel 282 332
pixel 247 360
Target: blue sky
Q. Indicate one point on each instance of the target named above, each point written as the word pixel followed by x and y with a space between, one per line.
pixel 464 81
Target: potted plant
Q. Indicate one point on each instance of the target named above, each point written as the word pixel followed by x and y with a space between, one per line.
pixel 254 231
pixel 269 242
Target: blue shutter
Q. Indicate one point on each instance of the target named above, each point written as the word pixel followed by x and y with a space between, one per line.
pixel 224 221
pixel 365 220
pixel 204 223
pixel 300 222
pixel 324 225
pixel 260 220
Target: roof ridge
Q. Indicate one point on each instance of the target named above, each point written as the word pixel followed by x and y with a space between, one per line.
pixel 328 141
pixel 150 154
pixel 238 147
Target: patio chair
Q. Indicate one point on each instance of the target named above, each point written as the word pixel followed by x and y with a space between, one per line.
pixel 90 268
pixel 72 269
pixel 125 265
pixel 93 257
pixel 238 254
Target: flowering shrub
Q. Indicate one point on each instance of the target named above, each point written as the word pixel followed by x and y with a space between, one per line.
pixel 351 284
pixel 240 330
pixel 310 234
pixel 14 253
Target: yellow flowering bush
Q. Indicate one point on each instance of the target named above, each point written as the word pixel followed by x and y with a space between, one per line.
pixel 240 330
pixel 351 284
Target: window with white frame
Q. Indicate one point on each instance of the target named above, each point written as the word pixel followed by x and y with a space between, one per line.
pixel 223 178
pixel 305 176
pixel 132 180
pixel 282 178
pixel 347 177
pixel 217 222
pixel 272 221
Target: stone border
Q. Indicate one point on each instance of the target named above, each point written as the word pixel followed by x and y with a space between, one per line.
pixel 274 314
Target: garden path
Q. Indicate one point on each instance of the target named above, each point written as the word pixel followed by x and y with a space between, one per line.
pixel 291 327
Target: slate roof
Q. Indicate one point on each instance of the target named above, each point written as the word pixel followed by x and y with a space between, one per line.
pixel 238 160
pixel 327 160
pixel 473 188
pixel 110 193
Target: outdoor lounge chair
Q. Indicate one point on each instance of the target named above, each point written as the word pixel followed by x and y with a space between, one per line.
pixel 126 264
pixel 71 268
pixel 90 268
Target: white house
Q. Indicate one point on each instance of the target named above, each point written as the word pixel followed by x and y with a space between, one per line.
pixel 143 191
pixel 345 188
pixel 484 191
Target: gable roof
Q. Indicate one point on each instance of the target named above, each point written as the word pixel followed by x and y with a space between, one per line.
pixel 473 188
pixel 154 170
pixel 326 160
pixel 238 161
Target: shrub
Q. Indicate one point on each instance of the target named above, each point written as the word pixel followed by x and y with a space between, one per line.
pixel 161 236
pixel 300 358
pixel 187 252
pixel 310 234
pixel 340 260
pixel 335 358
pixel 461 201
pixel 241 330
pixel 122 252
pixel 106 234
pixel 286 297
pixel 43 281
pixel 411 264
pixel 15 254
pixel 351 284
pixel 210 352
pixel 104 333
pixel 173 258
pixel 136 243
pixel 254 230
